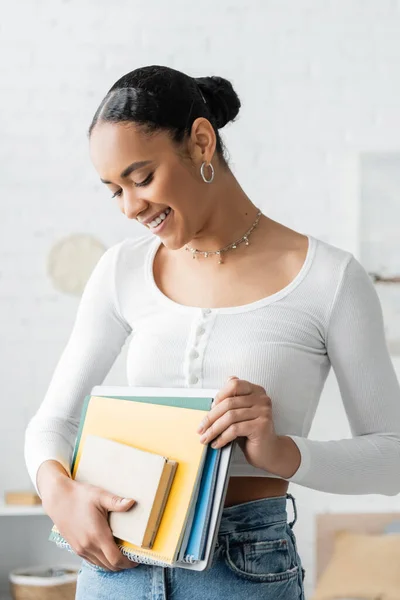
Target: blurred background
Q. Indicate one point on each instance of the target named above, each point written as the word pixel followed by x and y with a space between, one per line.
pixel 316 146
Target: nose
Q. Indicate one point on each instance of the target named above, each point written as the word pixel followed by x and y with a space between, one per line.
pixel 132 206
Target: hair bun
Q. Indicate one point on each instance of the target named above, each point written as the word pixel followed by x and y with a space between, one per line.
pixel 222 100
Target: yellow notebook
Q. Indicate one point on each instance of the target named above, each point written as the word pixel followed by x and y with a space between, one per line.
pixel 163 429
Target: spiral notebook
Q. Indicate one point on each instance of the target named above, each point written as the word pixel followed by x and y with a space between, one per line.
pixel 164 421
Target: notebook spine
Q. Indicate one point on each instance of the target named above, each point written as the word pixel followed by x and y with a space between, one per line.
pixel 156 560
pixel 189 558
pixel 145 560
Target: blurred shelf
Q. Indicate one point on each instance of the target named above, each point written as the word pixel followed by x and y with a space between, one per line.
pixel 10 510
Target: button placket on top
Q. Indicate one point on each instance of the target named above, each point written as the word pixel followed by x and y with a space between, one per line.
pixel 196 347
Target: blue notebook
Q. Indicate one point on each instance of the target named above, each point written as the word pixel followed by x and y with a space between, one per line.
pixel 201 521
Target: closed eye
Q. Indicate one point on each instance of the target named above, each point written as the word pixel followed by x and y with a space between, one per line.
pixel 143 183
pixel 146 181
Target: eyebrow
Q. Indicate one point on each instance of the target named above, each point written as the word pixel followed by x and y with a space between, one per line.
pixel 130 168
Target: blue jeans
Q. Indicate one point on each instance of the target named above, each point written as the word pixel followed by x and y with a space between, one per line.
pixel 255 557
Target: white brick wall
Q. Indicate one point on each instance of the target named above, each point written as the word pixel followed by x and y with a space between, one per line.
pixel 319 82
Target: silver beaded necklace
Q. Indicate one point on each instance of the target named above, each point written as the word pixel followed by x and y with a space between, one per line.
pixel 244 239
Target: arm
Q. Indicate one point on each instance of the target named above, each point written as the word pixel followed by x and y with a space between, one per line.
pixel 369 462
pixel 96 340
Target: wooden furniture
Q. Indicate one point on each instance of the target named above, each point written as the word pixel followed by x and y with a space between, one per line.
pixel 328 523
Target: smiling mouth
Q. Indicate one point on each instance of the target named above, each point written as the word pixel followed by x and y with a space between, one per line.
pixel 160 219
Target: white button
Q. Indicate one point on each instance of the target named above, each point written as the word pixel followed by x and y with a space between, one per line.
pixel 200 330
pixel 206 311
pixel 194 354
pixel 193 379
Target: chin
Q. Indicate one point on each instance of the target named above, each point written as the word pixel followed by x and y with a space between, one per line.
pixel 175 243
pixel 172 244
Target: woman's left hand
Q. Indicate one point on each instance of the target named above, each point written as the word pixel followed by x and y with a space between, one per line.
pixel 242 410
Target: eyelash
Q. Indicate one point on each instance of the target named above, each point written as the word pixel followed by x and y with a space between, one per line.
pixel 147 181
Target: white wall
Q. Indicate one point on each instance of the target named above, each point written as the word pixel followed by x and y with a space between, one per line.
pixel 319 82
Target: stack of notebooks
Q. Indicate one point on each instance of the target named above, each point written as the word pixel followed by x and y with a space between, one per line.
pixel 142 443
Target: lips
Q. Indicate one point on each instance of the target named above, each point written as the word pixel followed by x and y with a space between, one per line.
pixel 163 223
pixel 153 224
pixel 150 219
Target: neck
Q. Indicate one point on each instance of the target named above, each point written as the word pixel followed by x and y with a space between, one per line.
pixel 228 214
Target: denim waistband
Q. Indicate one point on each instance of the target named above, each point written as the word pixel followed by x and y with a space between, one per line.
pixel 256 513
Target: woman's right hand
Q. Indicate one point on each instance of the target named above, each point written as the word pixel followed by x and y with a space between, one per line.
pixel 80 513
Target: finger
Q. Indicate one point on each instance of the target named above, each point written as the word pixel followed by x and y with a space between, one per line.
pixel 224 406
pixel 114 555
pixel 109 553
pixel 101 556
pixel 100 561
pixel 256 399
pixel 226 420
pixel 237 430
pixel 94 557
pixel 233 387
pixel 113 503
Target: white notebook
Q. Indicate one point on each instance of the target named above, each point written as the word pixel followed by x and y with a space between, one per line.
pixel 130 473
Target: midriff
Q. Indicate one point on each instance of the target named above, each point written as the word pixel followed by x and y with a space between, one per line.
pixel 245 489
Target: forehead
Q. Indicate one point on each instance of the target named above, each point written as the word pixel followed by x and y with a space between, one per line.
pixel 116 144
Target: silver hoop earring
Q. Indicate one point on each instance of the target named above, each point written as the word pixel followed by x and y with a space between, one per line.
pixel 202 173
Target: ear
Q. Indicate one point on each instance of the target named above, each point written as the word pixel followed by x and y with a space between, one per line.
pixel 203 141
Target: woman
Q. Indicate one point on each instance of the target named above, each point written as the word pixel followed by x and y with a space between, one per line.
pixel 217 295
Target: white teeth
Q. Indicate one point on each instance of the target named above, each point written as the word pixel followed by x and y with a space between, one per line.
pixel 160 218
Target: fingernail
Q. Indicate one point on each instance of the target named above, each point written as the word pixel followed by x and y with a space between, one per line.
pixel 200 428
pixel 125 501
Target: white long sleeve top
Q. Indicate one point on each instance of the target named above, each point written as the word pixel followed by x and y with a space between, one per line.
pixel 329 314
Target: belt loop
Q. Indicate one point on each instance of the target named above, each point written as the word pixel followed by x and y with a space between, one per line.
pixel 290 497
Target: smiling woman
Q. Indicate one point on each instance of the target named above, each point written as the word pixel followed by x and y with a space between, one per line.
pixel 273 312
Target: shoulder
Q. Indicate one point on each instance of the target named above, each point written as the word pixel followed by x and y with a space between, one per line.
pixel 133 253
pixel 340 289
pixel 135 248
pixel 343 264
pixel 332 266
pixel 332 256
pixel 114 273
pixel 120 259
pixel 353 292
pixel 304 253
pixel 129 251
pixel 336 278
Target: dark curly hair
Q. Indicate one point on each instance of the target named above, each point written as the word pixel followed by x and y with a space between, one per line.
pixel 161 98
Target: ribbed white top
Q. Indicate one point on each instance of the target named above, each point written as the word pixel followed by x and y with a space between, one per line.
pixel 328 315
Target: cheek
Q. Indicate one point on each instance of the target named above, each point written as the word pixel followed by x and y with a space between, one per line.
pixel 176 185
pixel 172 188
